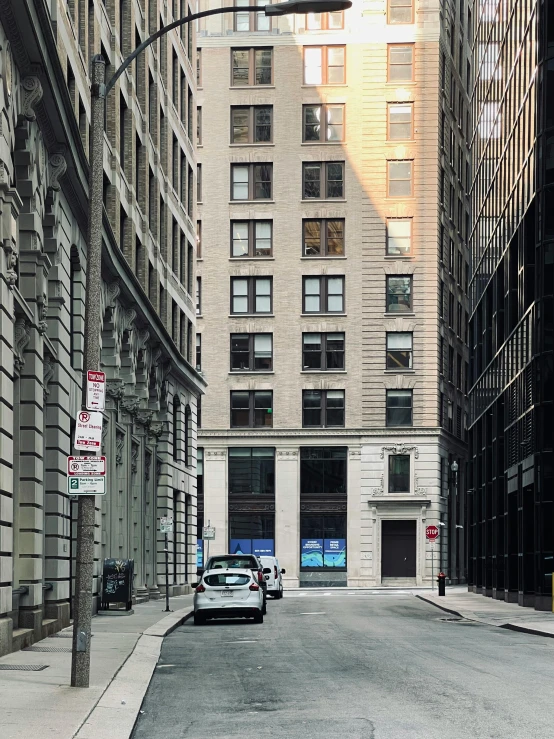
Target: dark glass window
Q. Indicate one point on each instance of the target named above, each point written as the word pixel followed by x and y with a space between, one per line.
pixel 251 352
pixel 251 181
pixel 251 125
pixel 323 123
pixel 399 408
pixel 251 66
pixel 251 409
pixel 399 350
pixel 399 294
pixel 322 180
pixel 323 472
pixel 322 408
pixel 399 473
pixel 323 351
pixel 323 238
pixel 251 470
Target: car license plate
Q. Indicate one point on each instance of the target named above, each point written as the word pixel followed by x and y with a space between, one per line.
pixel 228 593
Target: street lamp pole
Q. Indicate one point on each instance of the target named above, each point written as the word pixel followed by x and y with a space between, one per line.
pixel 84 564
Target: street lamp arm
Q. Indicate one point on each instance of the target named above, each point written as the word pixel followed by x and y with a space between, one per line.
pixel 176 24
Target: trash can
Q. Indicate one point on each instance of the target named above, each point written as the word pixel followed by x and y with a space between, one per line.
pixel 441 579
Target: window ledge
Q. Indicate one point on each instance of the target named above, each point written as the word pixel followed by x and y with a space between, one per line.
pixel 323 143
pixel 251 372
pixel 251 87
pixel 251 315
pixel 398 315
pixel 257 143
pixel 399 372
pixel 251 259
pixel 323 200
pixel 251 202
pixel 323 372
pixel 312 315
pixel 399 256
pixel 324 84
pixel 311 259
pixel 199 315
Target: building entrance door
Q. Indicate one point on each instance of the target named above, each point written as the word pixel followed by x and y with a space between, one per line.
pixel 398 551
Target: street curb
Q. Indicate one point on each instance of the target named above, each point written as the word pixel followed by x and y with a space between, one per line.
pixel 442 608
pixel 117 709
pixel 526 630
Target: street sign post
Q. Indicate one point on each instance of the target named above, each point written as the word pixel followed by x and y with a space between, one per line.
pixel 208 534
pixel 432 534
pixel 82 466
pixel 86 475
pixel 88 430
pixel 166 527
pixel 86 485
pixel 96 391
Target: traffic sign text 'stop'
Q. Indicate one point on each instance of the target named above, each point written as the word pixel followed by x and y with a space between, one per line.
pixel 431 532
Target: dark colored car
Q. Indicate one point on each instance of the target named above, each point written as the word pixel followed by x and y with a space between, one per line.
pixel 241 561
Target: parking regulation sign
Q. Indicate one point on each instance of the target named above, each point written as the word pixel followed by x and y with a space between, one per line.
pixel 88 430
pixel 86 466
pixel 86 485
pixel 96 390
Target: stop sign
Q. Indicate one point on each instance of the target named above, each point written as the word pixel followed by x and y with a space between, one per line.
pixel 431 532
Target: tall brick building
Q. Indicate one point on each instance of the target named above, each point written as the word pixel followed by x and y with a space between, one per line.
pixel 331 288
pixel 148 271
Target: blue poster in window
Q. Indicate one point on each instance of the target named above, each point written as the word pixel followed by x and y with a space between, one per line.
pixel 311 553
pixel 241 546
pixel 334 553
pixel 199 552
pixel 263 547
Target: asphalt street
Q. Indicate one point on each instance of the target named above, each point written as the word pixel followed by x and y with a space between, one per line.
pixel 347 667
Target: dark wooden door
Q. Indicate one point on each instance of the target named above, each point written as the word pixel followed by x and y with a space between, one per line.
pixel 398 551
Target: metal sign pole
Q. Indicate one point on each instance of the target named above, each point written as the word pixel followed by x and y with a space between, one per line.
pixel 432 567
pixel 166 575
pixel 208 544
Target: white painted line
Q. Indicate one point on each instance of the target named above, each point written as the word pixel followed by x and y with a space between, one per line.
pixel 313 613
pixel 242 641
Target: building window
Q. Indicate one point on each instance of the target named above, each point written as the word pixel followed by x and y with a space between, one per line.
pixel 399 408
pixel 332 117
pixel 323 238
pixel 251 181
pixel 251 471
pixel 251 124
pixel 399 473
pixel 251 352
pixel 199 352
pixel 323 351
pixel 177 430
pixel 251 409
pixel 400 121
pixel 324 65
pixel 198 183
pixel 399 179
pixel 323 294
pixel 399 294
pixel 188 436
pixel 199 67
pixel 251 238
pixel 322 408
pixel 198 126
pixel 399 237
pixel 400 11
pixel 251 295
pixel 251 67
pixel 399 350
pixel 322 180
pixel 198 296
pixel 251 20
pixel 325 21
pixel 400 63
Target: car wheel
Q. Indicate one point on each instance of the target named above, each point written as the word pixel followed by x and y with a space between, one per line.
pixel 259 617
pixel 264 608
pixel 199 619
pixel 280 593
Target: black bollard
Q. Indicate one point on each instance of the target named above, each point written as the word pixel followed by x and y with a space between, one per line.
pixel 441 579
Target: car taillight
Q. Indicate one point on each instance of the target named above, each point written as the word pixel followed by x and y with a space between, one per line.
pixel 276 576
pixel 254 586
pixel 260 576
pixel 200 589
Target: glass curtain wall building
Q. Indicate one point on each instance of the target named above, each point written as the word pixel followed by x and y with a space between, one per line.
pixel 510 505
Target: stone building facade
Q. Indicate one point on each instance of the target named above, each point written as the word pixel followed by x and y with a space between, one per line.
pixel 149 432
pixel 332 309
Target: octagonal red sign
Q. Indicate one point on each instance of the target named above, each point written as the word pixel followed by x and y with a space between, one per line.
pixel 431 532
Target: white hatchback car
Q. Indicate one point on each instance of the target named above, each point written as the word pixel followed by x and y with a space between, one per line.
pixel 273 576
pixel 228 593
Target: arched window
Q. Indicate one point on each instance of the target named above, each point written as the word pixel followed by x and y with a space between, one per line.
pixel 176 427
pixel 188 436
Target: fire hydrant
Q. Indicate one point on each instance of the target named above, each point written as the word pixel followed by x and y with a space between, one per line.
pixel 441 579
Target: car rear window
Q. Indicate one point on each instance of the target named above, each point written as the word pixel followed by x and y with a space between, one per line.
pixel 226 578
pixel 244 563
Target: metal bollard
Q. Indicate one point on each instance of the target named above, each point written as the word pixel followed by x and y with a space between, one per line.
pixel 441 579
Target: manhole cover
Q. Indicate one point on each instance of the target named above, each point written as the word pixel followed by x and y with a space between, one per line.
pixel 47 649
pixel 24 668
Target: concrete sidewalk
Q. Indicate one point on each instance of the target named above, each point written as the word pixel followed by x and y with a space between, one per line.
pixel 459 602
pixel 125 651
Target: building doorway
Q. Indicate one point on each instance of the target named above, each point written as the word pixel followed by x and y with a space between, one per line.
pixel 398 550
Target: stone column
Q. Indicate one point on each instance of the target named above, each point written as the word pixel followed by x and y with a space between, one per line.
pixel 216 498
pixel 287 515
pixel 353 517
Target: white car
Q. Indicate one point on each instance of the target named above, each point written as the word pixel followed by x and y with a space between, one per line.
pixel 273 576
pixel 228 593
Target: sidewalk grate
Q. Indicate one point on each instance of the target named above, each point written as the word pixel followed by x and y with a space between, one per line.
pixel 24 668
pixel 47 649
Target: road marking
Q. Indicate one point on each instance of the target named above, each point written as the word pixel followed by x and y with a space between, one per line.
pixel 158 666
pixel 313 613
pixel 242 641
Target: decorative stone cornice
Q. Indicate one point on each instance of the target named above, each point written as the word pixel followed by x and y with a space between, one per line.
pixel 57 167
pixel 31 94
pixel 129 404
pixel 134 457
pixel 156 429
pixel 144 417
pixel 48 371
pixel 22 336
pixel 115 389
pixel 399 449
pixel 119 444
pixel 286 455
pixel 216 454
